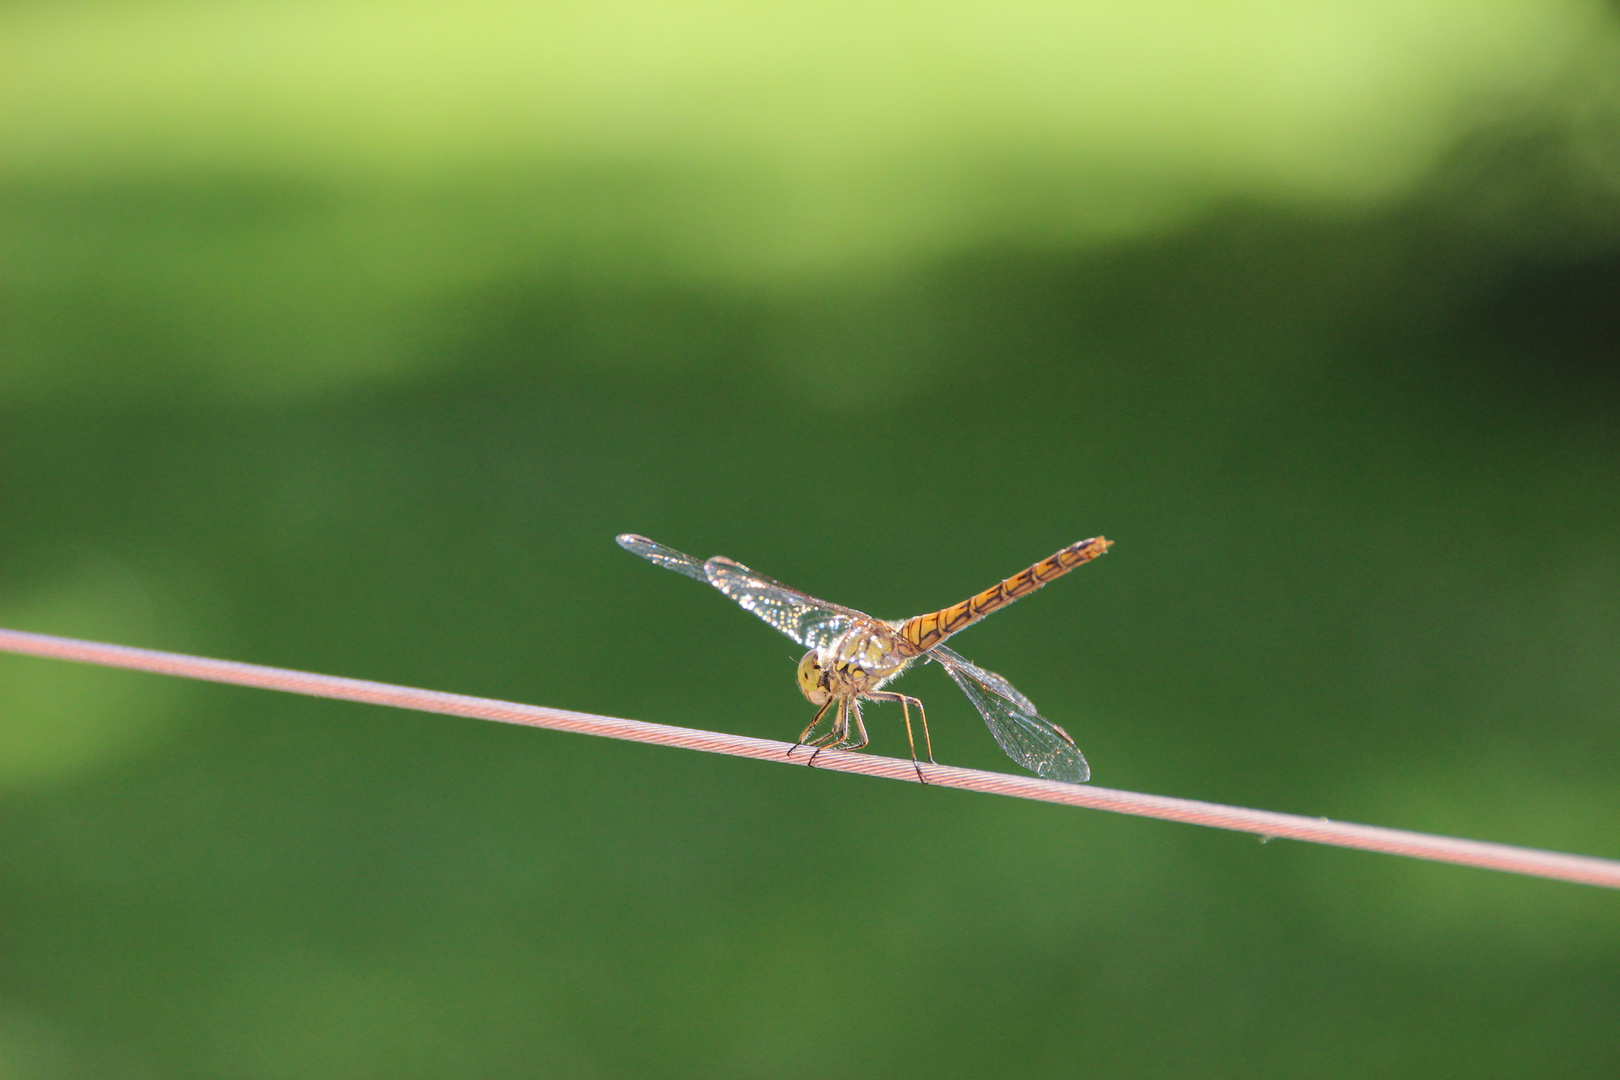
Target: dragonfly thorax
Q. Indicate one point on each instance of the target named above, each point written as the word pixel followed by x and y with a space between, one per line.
pixel 858 664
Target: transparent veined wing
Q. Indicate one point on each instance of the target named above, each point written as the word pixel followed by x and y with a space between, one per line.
pixel 813 623
pixel 1027 737
pixel 667 557
pixel 990 679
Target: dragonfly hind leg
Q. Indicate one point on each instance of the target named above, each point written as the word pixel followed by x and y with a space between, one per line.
pixel 906 702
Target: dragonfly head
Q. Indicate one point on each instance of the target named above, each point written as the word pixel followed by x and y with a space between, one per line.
pixel 813 679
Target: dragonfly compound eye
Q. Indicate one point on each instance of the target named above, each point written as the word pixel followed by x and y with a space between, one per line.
pixel 813 679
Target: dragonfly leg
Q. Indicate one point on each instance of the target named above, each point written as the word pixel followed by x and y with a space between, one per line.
pixel 860 740
pixel 928 742
pixel 906 701
pixel 839 732
pixel 805 734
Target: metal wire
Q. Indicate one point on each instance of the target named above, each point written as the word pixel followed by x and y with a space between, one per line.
pixel 1547 864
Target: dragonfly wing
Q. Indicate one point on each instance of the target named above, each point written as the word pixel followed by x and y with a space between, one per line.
pixel 813 623
pixel 1027 737
pixel 995 683
pixel 667 557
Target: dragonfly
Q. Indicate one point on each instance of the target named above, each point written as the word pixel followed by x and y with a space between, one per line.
pixel 853 656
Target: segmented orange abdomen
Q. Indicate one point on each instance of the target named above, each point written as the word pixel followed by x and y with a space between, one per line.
pixel 926 631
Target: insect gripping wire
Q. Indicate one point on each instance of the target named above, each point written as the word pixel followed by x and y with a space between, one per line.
pixel 1547 864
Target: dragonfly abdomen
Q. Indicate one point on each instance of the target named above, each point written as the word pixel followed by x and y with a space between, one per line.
pixel 925 631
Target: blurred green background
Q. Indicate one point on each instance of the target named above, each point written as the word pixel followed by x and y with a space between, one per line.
pixel 344 336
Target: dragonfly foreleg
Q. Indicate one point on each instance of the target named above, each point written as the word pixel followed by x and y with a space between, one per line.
pixel 805 734
pixel 838 737
pixel 906 702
